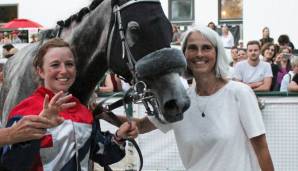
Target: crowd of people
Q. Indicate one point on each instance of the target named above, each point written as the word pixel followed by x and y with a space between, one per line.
pixel 266 66
pixel 263 64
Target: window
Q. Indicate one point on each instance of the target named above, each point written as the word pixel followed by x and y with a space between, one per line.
pixel 181 11
pixel 230 9
pixel 8 12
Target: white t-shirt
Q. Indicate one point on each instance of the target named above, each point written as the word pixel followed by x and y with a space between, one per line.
pixel 228 41
pixel 220 140
pixel 250 74
pixel 286 81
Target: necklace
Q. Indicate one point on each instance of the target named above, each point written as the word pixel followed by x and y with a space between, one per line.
pixel 206 99
pixel 203 108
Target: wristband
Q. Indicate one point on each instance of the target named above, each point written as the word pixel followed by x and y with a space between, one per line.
pixel 117 138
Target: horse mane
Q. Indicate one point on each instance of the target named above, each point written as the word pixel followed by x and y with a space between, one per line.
pixel 79 15
pixel 51 33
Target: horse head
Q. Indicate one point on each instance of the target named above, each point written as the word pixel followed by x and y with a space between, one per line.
pixel 142 34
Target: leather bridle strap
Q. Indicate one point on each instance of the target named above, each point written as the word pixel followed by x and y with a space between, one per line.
pixel 134 2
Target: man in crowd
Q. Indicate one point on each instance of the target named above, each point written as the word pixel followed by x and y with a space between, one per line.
pixel 254 72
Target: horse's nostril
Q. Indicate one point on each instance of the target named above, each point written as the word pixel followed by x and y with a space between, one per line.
pixel 170 105
pixel 185 107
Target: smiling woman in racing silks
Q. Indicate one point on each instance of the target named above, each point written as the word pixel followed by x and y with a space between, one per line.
pixel 69 145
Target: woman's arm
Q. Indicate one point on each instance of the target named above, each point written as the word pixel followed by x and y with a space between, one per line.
pixel 293 86
pixel 28 128
pixel 144 124
pixel 260 146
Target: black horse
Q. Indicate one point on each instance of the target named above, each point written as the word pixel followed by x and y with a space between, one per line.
pixel 109 34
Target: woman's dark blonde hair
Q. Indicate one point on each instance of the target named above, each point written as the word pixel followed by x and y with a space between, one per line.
pixel 52 43
pixel 267 46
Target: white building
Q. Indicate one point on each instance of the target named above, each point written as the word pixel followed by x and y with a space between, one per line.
pixel 276 14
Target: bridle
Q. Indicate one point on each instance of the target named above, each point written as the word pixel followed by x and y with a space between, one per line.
pixel 139 92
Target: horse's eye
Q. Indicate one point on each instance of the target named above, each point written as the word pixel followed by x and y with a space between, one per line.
pixel 132 33
pixel 133 27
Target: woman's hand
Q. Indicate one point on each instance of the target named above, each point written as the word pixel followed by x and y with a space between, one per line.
pixel 27 128
pixel 127 130
pixel 58 103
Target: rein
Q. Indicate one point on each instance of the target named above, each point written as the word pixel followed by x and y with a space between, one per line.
pixel 139 93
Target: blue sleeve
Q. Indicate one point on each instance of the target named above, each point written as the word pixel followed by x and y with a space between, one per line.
pixel 19 156
pixel 103 150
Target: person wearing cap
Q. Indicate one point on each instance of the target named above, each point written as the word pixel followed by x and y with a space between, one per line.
pixel 8 50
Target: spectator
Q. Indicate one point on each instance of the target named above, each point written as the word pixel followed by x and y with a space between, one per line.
pixel 8 50
pixel 282 50
pixel 212 26
pixel 254 72
pixel 268 52
pixel 284 67
pixel 284 40
pixel 227 37
pixel 15 38
pixel 241 54
pixel 33 38
pixel 240 44
pixel 293 86
pixel 176 35
pixel 234 55
pixel 266 36
pixel 289 76
pixel 6 39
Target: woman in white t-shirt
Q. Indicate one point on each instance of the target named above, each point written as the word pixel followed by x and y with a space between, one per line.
pixel 223 129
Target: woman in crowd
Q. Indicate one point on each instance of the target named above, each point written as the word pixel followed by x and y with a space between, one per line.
pixel 69 145
pixel 266 36
pixel 293 86
pixel 269 52
pixel 241 54
pixel 212 26
pixel 284 66
pixel 227 37
pixel 176 39
pixel 290 75
pixel 223 129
